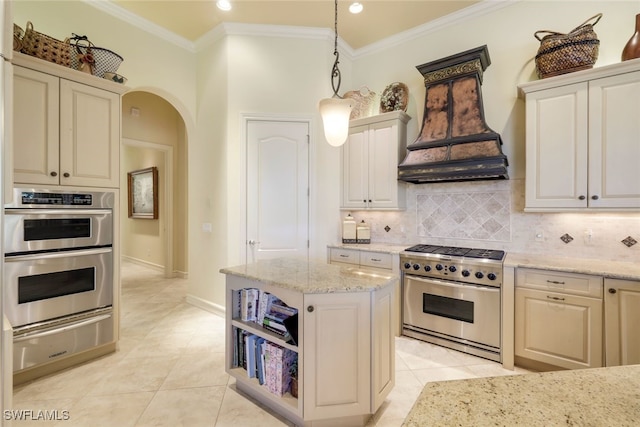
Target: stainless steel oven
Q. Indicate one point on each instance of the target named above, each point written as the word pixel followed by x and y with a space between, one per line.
pixel 58 274
pixel 452 297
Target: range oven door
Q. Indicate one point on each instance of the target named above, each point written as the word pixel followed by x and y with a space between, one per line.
pixel 44 286
pixel 457 311
pixel 28 230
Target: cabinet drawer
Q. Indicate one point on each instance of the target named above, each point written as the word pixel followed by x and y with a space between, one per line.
pixel 376 259
pixel 566 283
pixel 346 256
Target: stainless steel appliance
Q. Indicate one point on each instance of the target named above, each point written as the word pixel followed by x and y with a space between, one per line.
pixel 452 297
pixel 58 272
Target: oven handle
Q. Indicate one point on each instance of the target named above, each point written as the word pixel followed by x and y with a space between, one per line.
pixel 63 212
pixel 69 327
pixel 59 254
pixel 451 283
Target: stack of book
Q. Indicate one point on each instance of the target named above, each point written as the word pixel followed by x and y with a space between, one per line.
pixel 269 312
pixel 279 320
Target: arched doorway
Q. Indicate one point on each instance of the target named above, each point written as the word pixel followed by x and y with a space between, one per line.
pixel 154 133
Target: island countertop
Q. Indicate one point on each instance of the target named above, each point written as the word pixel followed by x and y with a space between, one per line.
pixel 311 277
pixel 582 397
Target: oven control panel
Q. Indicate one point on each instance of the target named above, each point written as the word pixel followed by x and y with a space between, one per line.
pixel 487 273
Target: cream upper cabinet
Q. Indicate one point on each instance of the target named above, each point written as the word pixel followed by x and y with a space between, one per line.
pixel 65 132
pixel 558 319
pixel 622 317
pixel 370 160
pixel 582 144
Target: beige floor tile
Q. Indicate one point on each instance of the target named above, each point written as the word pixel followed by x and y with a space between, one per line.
pixel 238 410
pixel 443 374
pixel 135 375
pixel 122 410
pixel 45 413
pixel 193 407
pixel 197 370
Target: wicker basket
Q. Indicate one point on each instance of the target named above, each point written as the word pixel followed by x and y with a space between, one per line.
pixel 105 60
pixel 564 53
pixel 18 34
pixel 45 47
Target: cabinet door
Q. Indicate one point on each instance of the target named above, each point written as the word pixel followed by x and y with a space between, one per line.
pixel 383 165
pixel 354 168
pixel 383 351
pixel 35 127
pixel 89 135
pixel 337 355
pixel 556 148
pixel 622 317
pixel 614 141
pixel 558 329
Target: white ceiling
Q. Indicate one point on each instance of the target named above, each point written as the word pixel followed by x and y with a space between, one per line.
pixel 380 18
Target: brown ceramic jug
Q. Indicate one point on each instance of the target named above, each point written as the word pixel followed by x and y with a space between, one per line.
pixel 632 48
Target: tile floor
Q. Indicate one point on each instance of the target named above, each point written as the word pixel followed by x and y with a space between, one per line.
pixel 169 370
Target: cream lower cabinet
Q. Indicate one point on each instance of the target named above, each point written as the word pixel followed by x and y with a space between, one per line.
pixel 65 132
pixel 582 145
pixel 370 160
pixel 558 319
pixel 622 317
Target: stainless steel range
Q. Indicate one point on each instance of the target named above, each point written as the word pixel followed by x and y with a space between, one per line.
pixel 452 297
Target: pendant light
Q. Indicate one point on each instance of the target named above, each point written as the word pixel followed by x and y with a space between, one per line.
pixel 335 111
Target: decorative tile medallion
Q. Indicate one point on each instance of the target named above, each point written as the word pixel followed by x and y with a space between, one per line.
pixel 566 238
pixel 387 228
pixel 629 241
pixel 478 216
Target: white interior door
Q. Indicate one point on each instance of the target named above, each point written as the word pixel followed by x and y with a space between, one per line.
pixel 277 189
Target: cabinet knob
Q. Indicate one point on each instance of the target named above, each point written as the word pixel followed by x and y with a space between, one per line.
pixel 54 173
pixel 66 175
pixel 310 309
pixel 581 197
pixel 369 200
pixel 612 290
pixel 595 197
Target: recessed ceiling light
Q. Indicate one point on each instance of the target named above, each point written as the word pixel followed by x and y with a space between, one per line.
pixel 223 4
pixel 356 7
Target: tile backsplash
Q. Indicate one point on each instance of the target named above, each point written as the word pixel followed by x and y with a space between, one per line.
pixel 489 214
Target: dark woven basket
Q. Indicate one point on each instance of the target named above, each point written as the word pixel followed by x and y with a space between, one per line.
pixel 105 60
pixel 564 53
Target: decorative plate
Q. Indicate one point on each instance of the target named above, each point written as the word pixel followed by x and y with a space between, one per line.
pixel 394 97
pixel 363 100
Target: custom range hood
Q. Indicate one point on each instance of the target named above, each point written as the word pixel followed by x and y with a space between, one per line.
pixel 455 143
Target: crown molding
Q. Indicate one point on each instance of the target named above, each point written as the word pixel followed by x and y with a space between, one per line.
pixel 141 23
pixel 225 29
pixel 473 11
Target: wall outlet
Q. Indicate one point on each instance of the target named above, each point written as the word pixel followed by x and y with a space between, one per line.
pixel 206 227
pixel 539 236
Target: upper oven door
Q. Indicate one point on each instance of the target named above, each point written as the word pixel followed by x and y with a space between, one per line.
pixel 465 311
pixel 28 230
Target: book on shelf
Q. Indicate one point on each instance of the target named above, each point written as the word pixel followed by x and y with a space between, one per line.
pixel 251 355
pixel 282 308
pixel 278 360
pixel 265 301
pixel 249 304
pixel 260 345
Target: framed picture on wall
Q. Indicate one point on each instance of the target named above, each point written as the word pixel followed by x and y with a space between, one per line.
pixel 143 193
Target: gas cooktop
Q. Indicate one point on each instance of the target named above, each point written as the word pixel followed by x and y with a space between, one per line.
pixel 491 254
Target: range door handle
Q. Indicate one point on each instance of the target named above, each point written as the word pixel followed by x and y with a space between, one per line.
pixel 62 328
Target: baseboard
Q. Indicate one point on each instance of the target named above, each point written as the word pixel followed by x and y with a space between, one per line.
pixel 206 305
pixel 144 263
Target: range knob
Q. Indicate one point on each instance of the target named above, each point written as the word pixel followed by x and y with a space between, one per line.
pixel 465 273
pixel 491 276
pixel 452 268
pixel 427 268
pixel 416 267
pixel 407 265
pixel 439 267
pixel 479 275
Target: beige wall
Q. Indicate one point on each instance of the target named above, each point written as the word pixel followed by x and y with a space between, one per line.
pixel 241 74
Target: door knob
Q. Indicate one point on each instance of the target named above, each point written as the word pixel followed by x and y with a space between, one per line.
pixel 612 290
pixel 595 197
pixel 253 242
pixel 66 174
pixel 54 173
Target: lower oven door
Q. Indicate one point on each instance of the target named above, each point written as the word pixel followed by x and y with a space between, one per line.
pixel 49 341
pixel 43 286
pixel 460 311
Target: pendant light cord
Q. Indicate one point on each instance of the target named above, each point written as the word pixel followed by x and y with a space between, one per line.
pixel 335 71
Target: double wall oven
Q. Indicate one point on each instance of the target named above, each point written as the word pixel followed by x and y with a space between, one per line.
pixel 58 273
pixel 452 297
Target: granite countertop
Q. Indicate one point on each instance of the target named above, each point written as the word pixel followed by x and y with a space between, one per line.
pixel 387 248
pixel 582 397
pixel 312 277
pixel 609 269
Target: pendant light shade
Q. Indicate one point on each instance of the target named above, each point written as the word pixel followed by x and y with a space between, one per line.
pixel 335 119
pixel 335 111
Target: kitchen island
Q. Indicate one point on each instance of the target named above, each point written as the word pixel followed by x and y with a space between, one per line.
pixel 583 397
pixel 343 340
